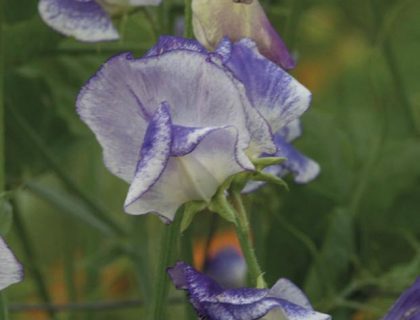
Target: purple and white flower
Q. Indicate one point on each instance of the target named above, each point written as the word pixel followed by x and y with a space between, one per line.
pixel 86 20
pixel 283 301
pixel 178 122
pixel 10 269
pixel 237 19
pixel 407 307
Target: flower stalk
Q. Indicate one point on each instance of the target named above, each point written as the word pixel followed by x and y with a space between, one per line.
pixel 244 235
pixel 169 247
pixel 3 300
pixel 243 232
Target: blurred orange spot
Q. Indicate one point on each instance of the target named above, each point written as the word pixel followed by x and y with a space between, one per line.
pixel 219 241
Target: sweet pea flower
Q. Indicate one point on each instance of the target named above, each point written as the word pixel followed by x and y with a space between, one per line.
pixel 274 93
pixel 407 307
pixel 237 19
pixel 283 301
pixel 178 122
pixel 10 269
pixel 173 124
pixel 86 20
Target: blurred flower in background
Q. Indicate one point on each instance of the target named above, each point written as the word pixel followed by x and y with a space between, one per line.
pixel 213 20
pixel 86 20
pixel 283 301
pixel 407 307
pixel 220 257
pixel 10 269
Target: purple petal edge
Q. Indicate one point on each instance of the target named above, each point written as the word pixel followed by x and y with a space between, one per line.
pixel 407 306
pixel 154 154
pixel 85 20
pixel 213 302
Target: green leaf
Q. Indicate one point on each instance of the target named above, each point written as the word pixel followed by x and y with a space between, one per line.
pixel 190 210
pixel 328 271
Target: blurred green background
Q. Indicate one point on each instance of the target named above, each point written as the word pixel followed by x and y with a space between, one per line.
pixel 350 239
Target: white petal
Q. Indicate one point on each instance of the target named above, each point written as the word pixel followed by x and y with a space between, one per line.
pixel 10 268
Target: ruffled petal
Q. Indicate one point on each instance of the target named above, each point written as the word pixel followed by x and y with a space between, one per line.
pixel 287 290
pixel 212 302
pixel 153 156
pixel 170 43
pixel 194 176
pixel 407 306
pixel 186 139
pixel 261 140
pixel 109 105
pixel 119 100
pixel 213 20
pixel 272 91
pixel 85 20
pixel 10 269
pixel 291 131
pixel 303 168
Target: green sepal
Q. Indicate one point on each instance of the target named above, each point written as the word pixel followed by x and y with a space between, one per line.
pixel 190 210
pixel 261 163
pixel 261 284
pixel 221 206
pixel 262 176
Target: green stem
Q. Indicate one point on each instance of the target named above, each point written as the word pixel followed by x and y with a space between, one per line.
pixel 244 235
pixel 31 256
pixel 168 249
pixel 96 209
pixel 4 313
pixel 393 68
pixel 187 254
pixel 188 30
pixel 392 64
pixel 3 301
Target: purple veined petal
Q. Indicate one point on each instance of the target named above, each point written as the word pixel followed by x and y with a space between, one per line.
pixel 119 100
pixel 259 129
pixel 194 176
pixel 109 106
pixel 291 131
pixel 278 97
pixel 170 43
pixel 10 269
pixel 287 290
pixel 184 277
pixel 213 20
pixel 407 307
pixel 154 154
pixel 85 20
pixel 214 303
pixel 303 168
pixel 185 139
